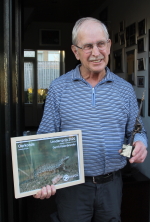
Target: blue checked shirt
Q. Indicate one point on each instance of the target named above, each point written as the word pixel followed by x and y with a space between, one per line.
pixel 106 114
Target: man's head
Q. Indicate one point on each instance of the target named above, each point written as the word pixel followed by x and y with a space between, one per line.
pixel 78 25
pixel 91 44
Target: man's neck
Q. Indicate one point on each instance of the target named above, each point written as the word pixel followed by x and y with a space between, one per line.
pixel 91 77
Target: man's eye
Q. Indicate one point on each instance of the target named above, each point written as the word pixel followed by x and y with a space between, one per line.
pixel 100 44
pixel 88 46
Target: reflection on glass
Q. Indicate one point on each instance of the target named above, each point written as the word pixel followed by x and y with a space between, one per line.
pixel 48 68
pixel 28 82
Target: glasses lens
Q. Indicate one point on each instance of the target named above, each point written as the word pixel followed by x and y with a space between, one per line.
pixel 87 47
pixel 102 44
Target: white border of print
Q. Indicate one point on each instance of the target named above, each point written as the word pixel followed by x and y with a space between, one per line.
pixel 38 137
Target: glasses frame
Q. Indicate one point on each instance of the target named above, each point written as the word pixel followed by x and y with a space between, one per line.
pixel 107 41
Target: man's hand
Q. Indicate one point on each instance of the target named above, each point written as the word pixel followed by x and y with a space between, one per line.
pixel 45 192
pixel 139 153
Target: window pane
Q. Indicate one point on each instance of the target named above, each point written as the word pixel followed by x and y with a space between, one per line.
pixel 29 53
pixel 28 82
pixel 48 69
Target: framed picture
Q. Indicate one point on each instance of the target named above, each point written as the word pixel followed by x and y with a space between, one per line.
pixel 142 27
pixel 143 106
pixel 141 81
pixel 122 39
pixel 140 64
pixel 121 26
pixel 131 35
pixel 49 37
pixel 141 45
pixel 118 61
pixel 130 66
pixel 53 158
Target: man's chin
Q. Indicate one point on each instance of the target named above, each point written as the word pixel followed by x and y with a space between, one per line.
pixel 98 70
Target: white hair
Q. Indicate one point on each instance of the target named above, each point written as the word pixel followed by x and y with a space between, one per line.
pixel 78 25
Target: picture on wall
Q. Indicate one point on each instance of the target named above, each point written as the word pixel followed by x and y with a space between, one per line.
pixel 142 27
pixel 118 61
pixel 140 81
pixel 130 63
pixel 131 35
pixel 49 37
pixel 140 64
pixel 141 45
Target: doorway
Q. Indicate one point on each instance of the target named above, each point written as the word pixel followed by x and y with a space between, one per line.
pixel 41 67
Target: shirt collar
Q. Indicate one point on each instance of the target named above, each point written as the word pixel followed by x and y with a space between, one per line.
pixel 108 77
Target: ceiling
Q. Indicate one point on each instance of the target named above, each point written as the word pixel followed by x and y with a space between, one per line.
pixel 58 10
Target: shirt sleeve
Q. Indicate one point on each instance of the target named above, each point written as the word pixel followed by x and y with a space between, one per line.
pixel 132 115
pixel 50 122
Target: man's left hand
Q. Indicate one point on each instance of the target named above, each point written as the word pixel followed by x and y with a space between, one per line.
pixel 139 153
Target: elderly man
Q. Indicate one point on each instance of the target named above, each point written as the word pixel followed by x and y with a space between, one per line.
pixel 104 107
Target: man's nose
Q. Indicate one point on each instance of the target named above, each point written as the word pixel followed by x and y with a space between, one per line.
pixel 95 50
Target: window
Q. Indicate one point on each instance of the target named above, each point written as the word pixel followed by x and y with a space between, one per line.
pixel 41 67
pixel 48 69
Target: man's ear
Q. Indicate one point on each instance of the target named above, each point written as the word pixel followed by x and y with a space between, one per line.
pixel 75 51
pixel 109 47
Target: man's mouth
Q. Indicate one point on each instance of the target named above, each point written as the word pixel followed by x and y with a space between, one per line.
pixel 96 60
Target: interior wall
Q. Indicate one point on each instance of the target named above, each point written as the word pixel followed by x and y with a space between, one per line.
pixel 31 40
pixel 131 12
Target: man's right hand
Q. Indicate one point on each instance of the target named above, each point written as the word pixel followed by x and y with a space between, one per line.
pixel 45 192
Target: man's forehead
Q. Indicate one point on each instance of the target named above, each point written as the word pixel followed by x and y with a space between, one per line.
pixel 88 23
pixel 90 29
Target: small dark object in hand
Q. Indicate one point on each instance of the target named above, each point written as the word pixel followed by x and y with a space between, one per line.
pixel 128 149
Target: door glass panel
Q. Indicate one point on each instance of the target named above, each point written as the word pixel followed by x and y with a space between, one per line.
pixel 28 82
pixel 29 53
pixel 48 68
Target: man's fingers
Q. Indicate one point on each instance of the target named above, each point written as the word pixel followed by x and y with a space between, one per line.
pixel 37 195
pixel 45 192
pixel 138 157
pixel 53 189
pixel 49 192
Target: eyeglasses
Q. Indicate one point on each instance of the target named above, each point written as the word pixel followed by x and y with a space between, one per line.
pixel 87 48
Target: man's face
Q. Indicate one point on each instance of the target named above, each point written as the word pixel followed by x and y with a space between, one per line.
pixel 96 60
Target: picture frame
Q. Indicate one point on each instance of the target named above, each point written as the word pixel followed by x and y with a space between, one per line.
pixel 49 37
pixel 118 61
pixel 141 45
pixel 141 64
pixel 131 35
pixel 141 81
pixel 52 158
pixel 121 26
pixel 130 66
pixel 142 27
